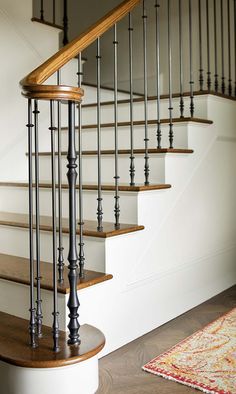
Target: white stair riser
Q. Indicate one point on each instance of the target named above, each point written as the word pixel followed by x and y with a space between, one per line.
pixel 14 241
pixel 128 203
pixel 18 380
pixel 90 94
pixel 156 163
pixel 107 137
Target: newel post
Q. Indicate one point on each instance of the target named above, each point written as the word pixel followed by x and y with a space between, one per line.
pixel 73 302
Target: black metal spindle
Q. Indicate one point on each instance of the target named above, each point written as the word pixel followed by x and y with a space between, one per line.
pixel 116 177
pixel 208 46
pixel 60 248
pixel 99 198
pixel 54 11
pixel 146 139
pixel 181 104
pixel 41 10
pixel 216 48
pixel 73 302
pixel 191 82
pixel 132 157
pixel 171 133
pixel 157 12
pixel 201 78
pixel 222 48
pixel 229 49
pixel 39 315
pixel 32 310
pixel 55 326
pixel 235 46
pixel 65 23
pixel 81 218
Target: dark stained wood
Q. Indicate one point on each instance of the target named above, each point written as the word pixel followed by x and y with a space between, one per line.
pixel 16 269
pixel 15 349
pixel 60 27
pixel 150 122
pixel 122 187
pixel 120 371
pixel 90 227
pixel 163 97
pixel 127 152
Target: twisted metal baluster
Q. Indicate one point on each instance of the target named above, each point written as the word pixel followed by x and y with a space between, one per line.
pixel 99 198
pixel 181 104
pixel 146 139
pixel 216 48
pixel 201 78
pixel 32 310
pixel 73 301
pixel 116 177
pixel 60 248
pixel 171 133
pixel 41 10
pixel 81 218
pixel 229 51
pixel 132 158
pixel 55 326
pixel 208 47
pixel 191 82
pixel 157 12
pixel 39 315
pixel 222 49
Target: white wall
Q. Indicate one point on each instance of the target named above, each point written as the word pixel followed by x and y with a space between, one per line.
pixel 24 45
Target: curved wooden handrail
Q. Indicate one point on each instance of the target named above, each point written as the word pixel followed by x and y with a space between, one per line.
pixel 54 63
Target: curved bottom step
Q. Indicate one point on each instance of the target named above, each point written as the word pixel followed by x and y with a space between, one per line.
pixel 23 370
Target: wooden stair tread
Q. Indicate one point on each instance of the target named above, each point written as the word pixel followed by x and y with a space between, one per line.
pixel 15 349
pixel 142 123
pixel 105 187
pixel 16 269
pixel 34 19
pixel 127 151
pixel 90 226
pixel 163 97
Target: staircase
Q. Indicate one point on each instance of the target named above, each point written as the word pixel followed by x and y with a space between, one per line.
pixel 148 224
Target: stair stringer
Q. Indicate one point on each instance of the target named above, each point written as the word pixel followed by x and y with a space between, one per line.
pixel 186 254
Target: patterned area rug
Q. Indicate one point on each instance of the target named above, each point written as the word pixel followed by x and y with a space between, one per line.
pixel 205 361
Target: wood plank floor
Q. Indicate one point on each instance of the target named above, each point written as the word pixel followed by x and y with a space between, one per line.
pixel 121 373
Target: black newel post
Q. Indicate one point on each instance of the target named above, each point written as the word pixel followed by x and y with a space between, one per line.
pixel 73 302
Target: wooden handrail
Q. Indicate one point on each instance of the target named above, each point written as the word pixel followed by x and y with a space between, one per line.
pixel 55 62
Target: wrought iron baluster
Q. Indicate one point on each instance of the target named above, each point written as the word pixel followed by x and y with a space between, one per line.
pixel 229 50
pixel 208 46
pixel 181 104
pixel 235 46
pixel 116 177
pixel 81 218
pixel 39 315
pixel 171 133
pixel 41 10
pixel 65 23
pixel 216 48
pixel 146 139
pixel 201 78
pixel 32 322
pixel 99 198
pixel 191 82
pixel 222 48
pixel 157 15
pixel 54 11
pixel 132 158
pixel 55 326
pixel 73 302
pixel 60 248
